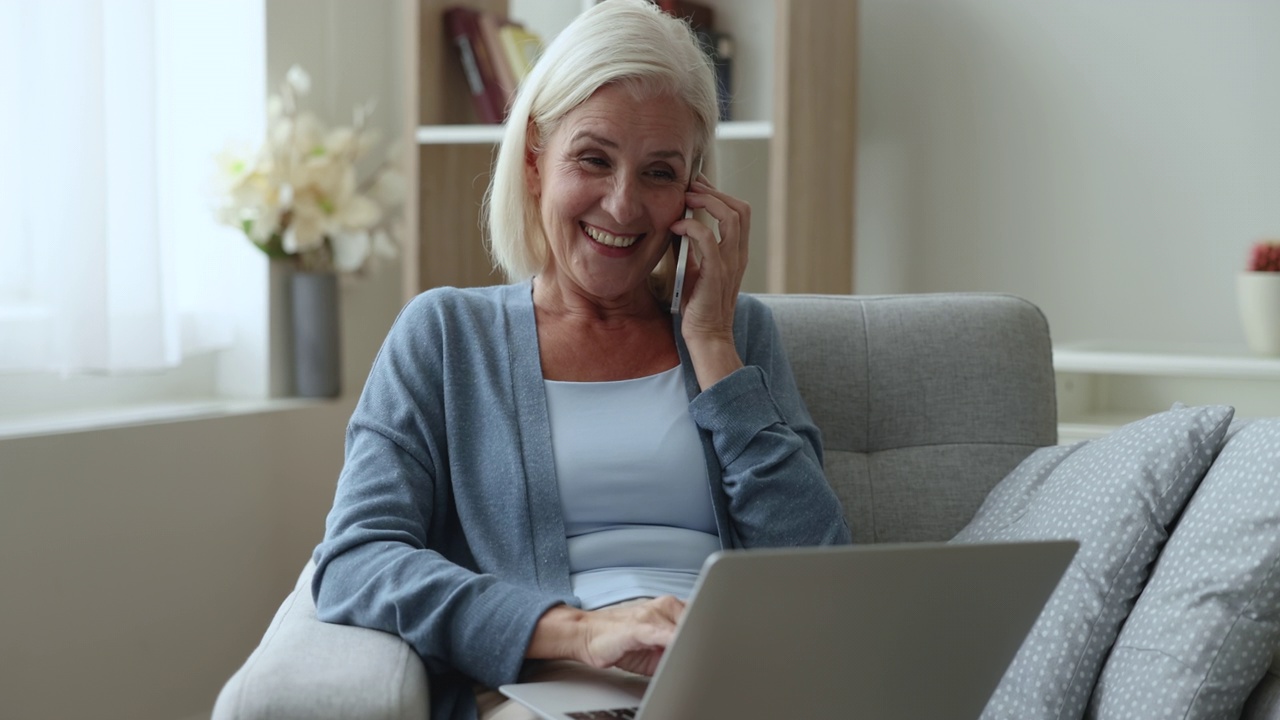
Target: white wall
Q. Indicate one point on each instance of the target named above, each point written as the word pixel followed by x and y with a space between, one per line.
pixel 140 565
pixel 1111 161
pixel 140 562
pixel 353 52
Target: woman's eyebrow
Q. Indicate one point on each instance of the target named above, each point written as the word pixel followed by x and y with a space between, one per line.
pixel 593 137
pixel 587 135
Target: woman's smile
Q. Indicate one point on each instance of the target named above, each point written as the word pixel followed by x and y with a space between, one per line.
pixel 604 237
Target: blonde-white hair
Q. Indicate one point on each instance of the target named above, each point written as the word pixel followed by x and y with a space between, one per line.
pixel 627 42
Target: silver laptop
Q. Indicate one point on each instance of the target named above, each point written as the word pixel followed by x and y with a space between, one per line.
pixel 872 631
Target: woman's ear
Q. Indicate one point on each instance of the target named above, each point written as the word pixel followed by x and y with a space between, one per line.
pixel 532 179
pixel 532 174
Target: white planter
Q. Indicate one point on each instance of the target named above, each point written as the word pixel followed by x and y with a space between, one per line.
pixel 1258 294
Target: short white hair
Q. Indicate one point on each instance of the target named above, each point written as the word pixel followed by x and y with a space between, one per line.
pixel 628 42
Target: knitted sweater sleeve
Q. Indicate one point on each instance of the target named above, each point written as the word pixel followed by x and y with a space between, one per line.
pixel 769 449
pixel 393 557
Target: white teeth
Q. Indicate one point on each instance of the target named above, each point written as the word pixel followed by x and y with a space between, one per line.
pixel 605 238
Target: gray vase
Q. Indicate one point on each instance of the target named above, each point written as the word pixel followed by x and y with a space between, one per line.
pixel 317 366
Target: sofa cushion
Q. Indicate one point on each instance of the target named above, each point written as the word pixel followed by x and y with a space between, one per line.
pixel 1116 496
pixel 1206 625
pixel 924 401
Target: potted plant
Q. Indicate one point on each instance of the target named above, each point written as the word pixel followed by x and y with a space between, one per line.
pixel 1258 293
pixel 301 199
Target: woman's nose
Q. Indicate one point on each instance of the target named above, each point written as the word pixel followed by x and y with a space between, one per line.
pixel 623 202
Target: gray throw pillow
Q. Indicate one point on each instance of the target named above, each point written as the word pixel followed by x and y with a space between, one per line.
pixel 1201 635
pixel 1117 496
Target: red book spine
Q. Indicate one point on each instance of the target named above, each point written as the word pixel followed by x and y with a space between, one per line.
pixel 463 27
pixel 490 25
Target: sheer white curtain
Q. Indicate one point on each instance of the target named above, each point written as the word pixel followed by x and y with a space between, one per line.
pixel 111 112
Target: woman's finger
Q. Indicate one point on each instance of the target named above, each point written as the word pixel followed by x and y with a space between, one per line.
pixel 733 218
pixel 741 207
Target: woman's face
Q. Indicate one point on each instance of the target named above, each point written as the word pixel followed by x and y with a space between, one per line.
pixel 610 182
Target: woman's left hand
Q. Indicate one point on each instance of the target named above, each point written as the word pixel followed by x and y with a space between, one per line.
pixel 713 279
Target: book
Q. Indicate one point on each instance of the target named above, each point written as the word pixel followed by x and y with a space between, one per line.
pixel 719 47
pixel 699 16
pixel 462 25
pixel 522 47
pixel 490 27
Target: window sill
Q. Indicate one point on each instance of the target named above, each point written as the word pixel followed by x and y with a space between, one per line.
pixel 107 418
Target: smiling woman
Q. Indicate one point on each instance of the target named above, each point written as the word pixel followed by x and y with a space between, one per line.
pixel 610 184
pixel 558 503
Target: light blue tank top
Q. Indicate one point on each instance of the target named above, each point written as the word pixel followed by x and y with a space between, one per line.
pixel 633 487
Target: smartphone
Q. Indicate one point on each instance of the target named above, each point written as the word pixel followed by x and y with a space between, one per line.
pixel 682 254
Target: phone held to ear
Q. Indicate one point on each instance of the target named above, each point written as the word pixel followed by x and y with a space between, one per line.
pixel 677 293
pixel 682 259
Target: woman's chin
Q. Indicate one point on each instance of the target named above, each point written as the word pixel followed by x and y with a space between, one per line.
pixel 610 288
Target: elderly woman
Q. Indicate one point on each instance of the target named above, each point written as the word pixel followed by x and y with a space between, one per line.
pixel 538 470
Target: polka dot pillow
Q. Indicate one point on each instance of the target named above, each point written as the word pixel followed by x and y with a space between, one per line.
pixel 1116 496
pixel 1202 634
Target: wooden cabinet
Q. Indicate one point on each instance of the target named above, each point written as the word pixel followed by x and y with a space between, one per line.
pixel 789 150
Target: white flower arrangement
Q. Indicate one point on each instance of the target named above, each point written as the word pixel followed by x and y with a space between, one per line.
pixel 299 196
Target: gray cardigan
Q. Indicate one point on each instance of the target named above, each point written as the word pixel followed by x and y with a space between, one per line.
pixel 446 526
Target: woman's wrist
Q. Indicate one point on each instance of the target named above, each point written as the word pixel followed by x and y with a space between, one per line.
pixel 557 636
pixel 713 357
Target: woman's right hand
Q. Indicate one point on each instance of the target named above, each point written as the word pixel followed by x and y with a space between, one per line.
pixel 631 636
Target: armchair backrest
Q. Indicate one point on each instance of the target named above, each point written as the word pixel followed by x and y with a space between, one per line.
pixel 924 401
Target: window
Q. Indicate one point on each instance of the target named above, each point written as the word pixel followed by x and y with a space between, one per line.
pixel 111 265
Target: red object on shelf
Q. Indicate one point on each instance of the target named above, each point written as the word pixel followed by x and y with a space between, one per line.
pixel 463 27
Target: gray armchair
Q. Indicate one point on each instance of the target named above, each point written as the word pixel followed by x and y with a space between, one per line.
pixel 925 403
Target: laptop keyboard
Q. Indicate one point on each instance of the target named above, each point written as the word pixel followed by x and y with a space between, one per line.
pixel 628 713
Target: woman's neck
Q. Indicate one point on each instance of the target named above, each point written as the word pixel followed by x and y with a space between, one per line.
pixel 586 341
pixel 554 299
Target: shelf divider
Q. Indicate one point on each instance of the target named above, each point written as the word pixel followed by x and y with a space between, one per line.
pixel 1223 363
pixel 492 134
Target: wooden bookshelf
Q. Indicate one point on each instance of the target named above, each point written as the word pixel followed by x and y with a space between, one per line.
pixel 791 154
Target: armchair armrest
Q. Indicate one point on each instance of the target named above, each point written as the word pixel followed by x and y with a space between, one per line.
pixel 305 668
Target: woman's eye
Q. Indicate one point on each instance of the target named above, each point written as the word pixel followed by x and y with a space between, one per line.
pixel 595 161
pixel 663 174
